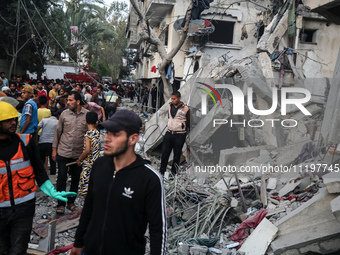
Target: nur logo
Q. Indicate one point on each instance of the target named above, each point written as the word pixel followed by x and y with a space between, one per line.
pixel 204 97
pixel 239 99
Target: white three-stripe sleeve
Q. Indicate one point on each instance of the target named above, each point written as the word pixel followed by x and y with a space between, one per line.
pixel 163 205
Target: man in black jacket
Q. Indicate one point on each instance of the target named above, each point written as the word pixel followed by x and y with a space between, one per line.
pixel 20 168
pixel 125 194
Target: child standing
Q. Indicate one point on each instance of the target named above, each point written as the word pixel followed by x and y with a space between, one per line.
pixel 91 151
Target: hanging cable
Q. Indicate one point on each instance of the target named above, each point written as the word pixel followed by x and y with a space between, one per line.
pixel 32 24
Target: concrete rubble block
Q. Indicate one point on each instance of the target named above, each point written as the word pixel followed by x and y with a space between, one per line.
pixel 288 154
pixel 183 249
pixel 236 156
pixel 310 223
pixel 332 182
pixel 271 183
pixel 311 67
pixel 254 78
pixel 254 245
pixel 269 41
pixel 317 87
pixel 297 134
pixel 335 206
pixel 312 108
pixel 330 246
pixel 198 250
pixel 205 128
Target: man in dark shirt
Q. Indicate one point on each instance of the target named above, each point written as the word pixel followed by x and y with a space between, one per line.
pixel 125 194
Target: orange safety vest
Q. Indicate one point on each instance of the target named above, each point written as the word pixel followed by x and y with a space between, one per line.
pixel 23 185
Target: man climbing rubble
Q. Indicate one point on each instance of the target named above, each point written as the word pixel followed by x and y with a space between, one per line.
pixel 20 169
pixel 125 194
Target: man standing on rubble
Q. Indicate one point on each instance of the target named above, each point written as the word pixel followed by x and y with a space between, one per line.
pixel 125 194
pixel 20 170
pixel 68 144
pixel 178 124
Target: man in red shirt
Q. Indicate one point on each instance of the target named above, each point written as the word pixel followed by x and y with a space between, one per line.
pixel 41 91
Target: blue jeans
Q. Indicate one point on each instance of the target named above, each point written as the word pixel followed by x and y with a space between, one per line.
pixel 75 171
pixel 15 228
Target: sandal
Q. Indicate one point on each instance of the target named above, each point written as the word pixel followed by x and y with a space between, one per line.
pixel 60 209
pixel 72 207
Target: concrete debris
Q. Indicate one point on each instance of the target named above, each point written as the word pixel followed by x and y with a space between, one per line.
pixel 270 40
pixel 313 222
pixel 332 182
pixel 205 128
pixel 236 156
pixel 335 206
pixel 255 245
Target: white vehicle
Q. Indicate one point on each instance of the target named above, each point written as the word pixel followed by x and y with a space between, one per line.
pixel 107 79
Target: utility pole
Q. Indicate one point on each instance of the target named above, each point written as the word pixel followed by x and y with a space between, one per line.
pixel 96 56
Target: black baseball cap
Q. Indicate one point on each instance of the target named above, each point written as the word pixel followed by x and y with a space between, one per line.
pixel 121 120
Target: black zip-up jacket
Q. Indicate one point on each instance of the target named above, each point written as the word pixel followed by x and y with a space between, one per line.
pixel 118 209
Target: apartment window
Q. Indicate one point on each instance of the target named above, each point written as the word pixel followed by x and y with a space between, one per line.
pixel 224 32
pixel 308 35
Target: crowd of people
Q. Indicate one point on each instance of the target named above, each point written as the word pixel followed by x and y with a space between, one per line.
pixel 60 122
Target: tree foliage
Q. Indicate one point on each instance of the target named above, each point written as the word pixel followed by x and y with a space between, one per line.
pixel 33 33
pixel 19 41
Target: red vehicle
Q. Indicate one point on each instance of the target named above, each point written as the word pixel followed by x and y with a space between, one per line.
pixel 82 76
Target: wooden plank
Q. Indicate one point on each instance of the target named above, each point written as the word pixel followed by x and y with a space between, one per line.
pixel 35 252
pixel 258 242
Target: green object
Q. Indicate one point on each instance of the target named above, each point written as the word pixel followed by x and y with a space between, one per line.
pixel 291 20
pixel 49 190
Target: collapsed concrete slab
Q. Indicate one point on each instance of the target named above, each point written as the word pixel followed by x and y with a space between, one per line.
pixel 271 39
pixel 254 245
pixel 289 154
pixel 311 223
pixel 206 128
pixel 332 182
pixel 236 156
pixel 335 205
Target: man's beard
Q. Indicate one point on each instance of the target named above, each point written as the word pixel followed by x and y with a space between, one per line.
pixel 7 131
pixel 120 151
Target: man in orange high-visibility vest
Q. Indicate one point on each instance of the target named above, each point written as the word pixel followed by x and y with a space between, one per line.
pixel 21 172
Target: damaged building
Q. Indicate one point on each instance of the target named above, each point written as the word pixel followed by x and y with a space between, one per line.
pixel 257 163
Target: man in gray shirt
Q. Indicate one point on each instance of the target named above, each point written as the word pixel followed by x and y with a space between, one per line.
pixel 48 126
pixel 68 144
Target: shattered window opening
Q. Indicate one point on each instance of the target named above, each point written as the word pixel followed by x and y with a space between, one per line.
pixel 308 36
pixel 224 32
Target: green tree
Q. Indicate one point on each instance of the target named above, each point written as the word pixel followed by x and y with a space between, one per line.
pixel 93 27
pixel 20 42
pixel 111 53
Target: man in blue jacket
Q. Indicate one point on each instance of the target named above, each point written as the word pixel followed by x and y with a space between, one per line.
pixel 125 194
pixel 29 117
